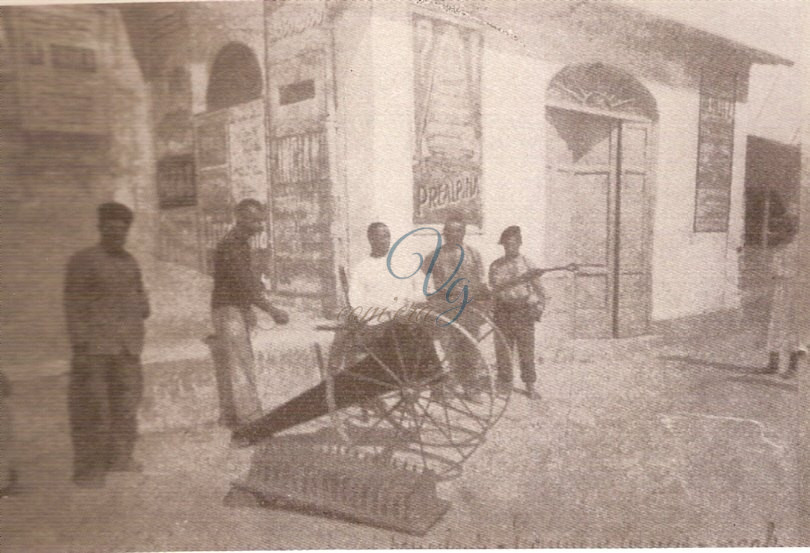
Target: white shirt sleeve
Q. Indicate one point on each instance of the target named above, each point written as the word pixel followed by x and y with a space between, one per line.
pixel 356 286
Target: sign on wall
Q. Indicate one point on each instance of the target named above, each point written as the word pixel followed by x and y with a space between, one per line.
pixel 247 151
pixel 60 78
pixel 447 86
pixel 715 153
pixel 300 177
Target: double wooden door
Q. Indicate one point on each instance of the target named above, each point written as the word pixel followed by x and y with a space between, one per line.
pixel 597 206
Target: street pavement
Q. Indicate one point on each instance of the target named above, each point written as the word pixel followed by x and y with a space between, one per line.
pixel 656 441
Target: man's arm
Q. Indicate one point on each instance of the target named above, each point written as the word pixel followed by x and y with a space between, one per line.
pixel 491 273
pixel 77 296
pixel 144 297
pixel 249 283
pixel 536 284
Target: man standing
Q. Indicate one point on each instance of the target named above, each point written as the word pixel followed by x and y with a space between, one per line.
pixel 373 290
pixel 783 339
pixel 519 302
pixel 461 263
pixel 472 269
pixel 400 350
pixel 237 288
pixel 105 306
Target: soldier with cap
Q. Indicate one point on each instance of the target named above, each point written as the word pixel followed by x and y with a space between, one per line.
pixel 105 306
pixel 519 303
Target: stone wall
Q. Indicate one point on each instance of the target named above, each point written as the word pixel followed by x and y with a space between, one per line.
pixel 61 162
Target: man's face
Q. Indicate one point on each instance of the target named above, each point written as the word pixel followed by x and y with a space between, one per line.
pixel 511 246
pixel 380 240
pixel 454 233
pixel 251 220
pixel 113 233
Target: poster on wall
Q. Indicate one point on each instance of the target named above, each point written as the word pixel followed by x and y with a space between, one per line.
pixel 215 211
pixel 447 86
pixel 247 152
pixel 300 177
pixel 214 196
pixel 178 237
pixel 715 153
pixel 211 139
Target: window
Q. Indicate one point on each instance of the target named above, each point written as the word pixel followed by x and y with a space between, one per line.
pixel 175 181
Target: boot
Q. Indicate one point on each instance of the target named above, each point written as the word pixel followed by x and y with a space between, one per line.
pixel 531 393
pixel 793 365
pixel 773 363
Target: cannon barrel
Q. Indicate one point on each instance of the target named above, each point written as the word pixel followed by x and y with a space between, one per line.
pixel 401 348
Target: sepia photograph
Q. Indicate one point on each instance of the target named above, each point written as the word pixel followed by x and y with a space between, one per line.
pixel 404 274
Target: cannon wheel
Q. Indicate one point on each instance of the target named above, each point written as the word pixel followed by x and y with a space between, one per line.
pixel 430 422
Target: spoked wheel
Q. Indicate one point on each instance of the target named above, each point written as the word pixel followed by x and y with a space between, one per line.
pixel 436 393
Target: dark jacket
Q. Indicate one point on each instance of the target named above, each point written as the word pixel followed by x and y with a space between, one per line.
pixel 236 283
pixel 105 302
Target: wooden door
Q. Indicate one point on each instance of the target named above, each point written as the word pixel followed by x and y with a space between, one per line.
pixel 632 288
pixel 597 218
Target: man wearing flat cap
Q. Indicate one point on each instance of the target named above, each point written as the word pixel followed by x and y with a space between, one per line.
pixel 519 303
pixel 105 306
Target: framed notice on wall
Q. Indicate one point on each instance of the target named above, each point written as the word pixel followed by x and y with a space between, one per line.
pixel 447 86
pixel 175 180
pixel 715 153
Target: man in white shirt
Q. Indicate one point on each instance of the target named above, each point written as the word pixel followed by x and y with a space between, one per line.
pixel 375 294
pixel 379 349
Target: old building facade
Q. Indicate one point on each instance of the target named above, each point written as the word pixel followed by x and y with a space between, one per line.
pixel 614 138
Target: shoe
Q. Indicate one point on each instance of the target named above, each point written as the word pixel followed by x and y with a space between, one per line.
pixel 12 487
pixel 89 480
pixel 503 386
pixel 793 366
pixel 129 465
pixel 531 393
pixel 472 396
pixel 773 364
pixel 238 441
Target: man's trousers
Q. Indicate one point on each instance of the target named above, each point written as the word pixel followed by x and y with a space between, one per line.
pixel 516 322
pixel 103 397
pixel 234 367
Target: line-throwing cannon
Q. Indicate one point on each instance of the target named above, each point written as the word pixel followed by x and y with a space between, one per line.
pixel 404 406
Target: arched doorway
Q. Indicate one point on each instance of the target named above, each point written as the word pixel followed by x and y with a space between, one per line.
pixel 599 123
pixel 230 153
pixel 236 77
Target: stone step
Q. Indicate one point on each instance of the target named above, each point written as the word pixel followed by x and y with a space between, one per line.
pixel 180 388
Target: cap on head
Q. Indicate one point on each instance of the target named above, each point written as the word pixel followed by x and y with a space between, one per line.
pixel 113 211
pixel 248 204
pixel 511 232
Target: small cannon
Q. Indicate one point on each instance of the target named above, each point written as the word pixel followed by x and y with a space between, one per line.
pixel 421 393
pixel 405 405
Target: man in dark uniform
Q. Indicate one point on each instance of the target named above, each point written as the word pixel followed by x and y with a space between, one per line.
pixel 519 302
pixel 105 306
pixel 237 288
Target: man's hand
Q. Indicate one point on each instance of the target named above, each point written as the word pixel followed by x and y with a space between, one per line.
pixel 279 316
